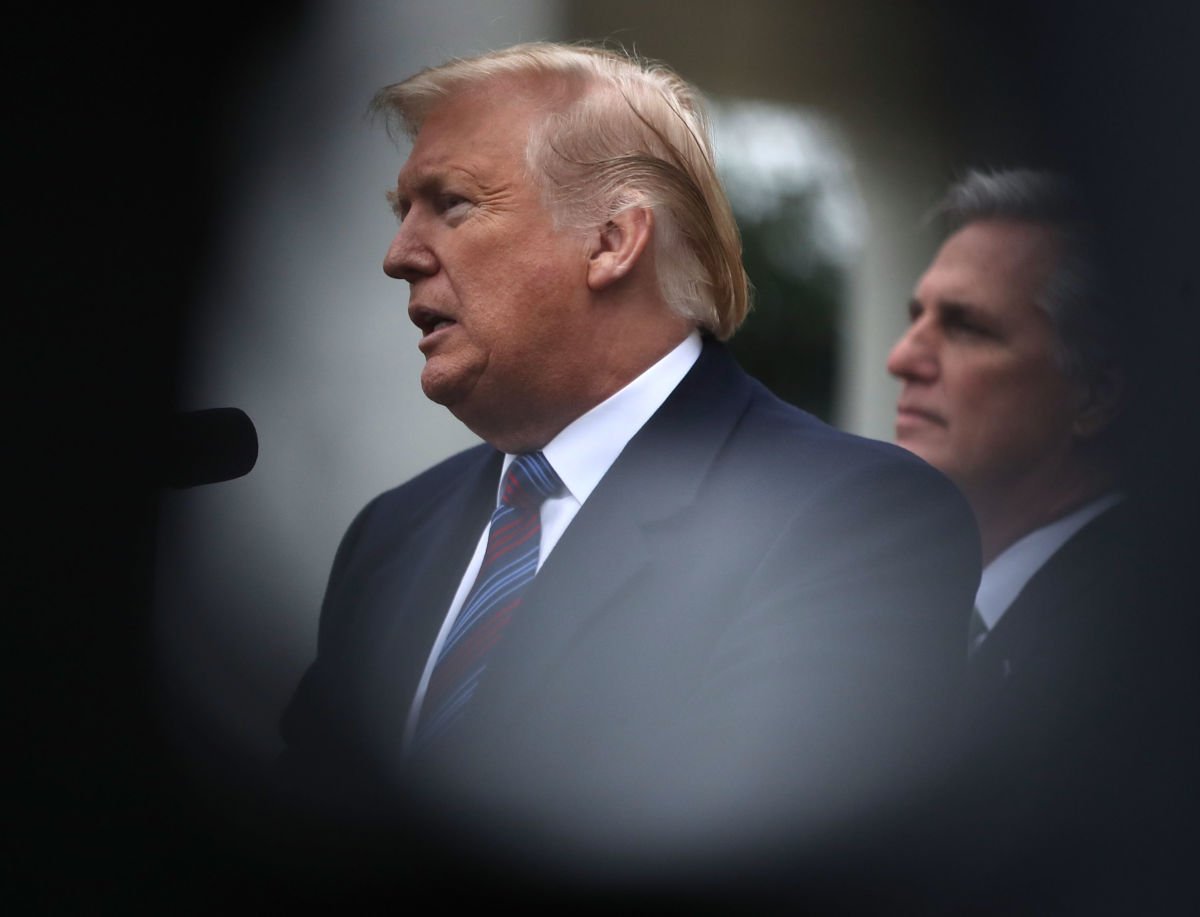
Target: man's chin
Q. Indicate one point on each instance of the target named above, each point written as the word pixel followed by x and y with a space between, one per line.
pixel 445 385
pixel 435 393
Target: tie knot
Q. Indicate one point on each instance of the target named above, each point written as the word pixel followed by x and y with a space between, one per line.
pixel 529 481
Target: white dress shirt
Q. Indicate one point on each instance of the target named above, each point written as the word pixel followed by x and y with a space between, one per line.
pixel 581 454
pixel 1003 579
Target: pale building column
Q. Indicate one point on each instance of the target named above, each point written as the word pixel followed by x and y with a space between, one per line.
pixel 896 245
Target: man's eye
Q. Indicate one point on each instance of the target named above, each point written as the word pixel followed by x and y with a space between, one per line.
pixel 448 202
pixel 965 328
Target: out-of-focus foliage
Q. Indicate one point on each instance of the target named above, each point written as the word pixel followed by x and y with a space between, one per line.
pixel 788 341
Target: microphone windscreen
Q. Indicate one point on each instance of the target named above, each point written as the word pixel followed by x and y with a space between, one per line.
pixel 204 447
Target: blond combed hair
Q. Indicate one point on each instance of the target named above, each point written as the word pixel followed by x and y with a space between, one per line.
pixel 618 132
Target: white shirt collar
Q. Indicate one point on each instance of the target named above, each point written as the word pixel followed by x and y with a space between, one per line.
pixel 1004 578
pixel 587 447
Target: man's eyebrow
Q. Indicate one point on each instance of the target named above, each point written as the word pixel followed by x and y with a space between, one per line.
pixel 956 307
pixel 395 201
pixel 956 311
pixel 417 185
pixel 426 182
pixel 953 306
pixel 952 309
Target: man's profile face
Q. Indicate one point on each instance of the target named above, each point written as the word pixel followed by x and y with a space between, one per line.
pixel 496 289
pixel 984 398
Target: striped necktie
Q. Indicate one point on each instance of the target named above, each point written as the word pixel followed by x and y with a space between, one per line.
pixel 509 564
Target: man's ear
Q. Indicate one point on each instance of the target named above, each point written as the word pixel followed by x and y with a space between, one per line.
pixel 1102 402
pixel 618 247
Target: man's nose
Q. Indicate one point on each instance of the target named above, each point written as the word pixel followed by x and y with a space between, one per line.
pixel 914 356
pixel 408 257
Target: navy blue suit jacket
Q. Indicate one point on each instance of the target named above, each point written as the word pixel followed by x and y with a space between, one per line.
pixel 746 637
pixel 1075 793
pixel 1066 703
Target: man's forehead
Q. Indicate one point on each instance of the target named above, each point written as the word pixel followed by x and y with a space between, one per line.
pixel 995 245
pixel 432 164
pixel 464 134
pixel 422 169
pixel 990 266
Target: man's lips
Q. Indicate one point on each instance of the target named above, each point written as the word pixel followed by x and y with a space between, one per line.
pixel 430 321
pixel 911 414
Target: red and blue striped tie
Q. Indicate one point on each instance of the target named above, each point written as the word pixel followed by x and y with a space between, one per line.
pixel 509 564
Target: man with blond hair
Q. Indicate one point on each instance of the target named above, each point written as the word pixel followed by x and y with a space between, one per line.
pixel 658 620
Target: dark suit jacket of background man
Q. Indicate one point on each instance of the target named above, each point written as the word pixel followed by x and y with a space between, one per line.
pixel 751 626
pixel 1074 728
pixel 1039 660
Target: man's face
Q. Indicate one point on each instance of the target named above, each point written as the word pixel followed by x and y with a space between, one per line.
pixel 984 398
pixel 498 293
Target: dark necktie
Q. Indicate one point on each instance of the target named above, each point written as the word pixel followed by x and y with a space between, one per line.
pixel 509 563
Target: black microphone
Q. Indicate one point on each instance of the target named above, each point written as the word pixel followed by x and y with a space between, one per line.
pixel 204 447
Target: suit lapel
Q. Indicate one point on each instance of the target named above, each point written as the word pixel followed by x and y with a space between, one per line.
pixel 659 474
pixel 413 607
pixel 1054 612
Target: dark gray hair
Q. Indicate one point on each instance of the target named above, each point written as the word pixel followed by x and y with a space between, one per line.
pixel 1073 297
